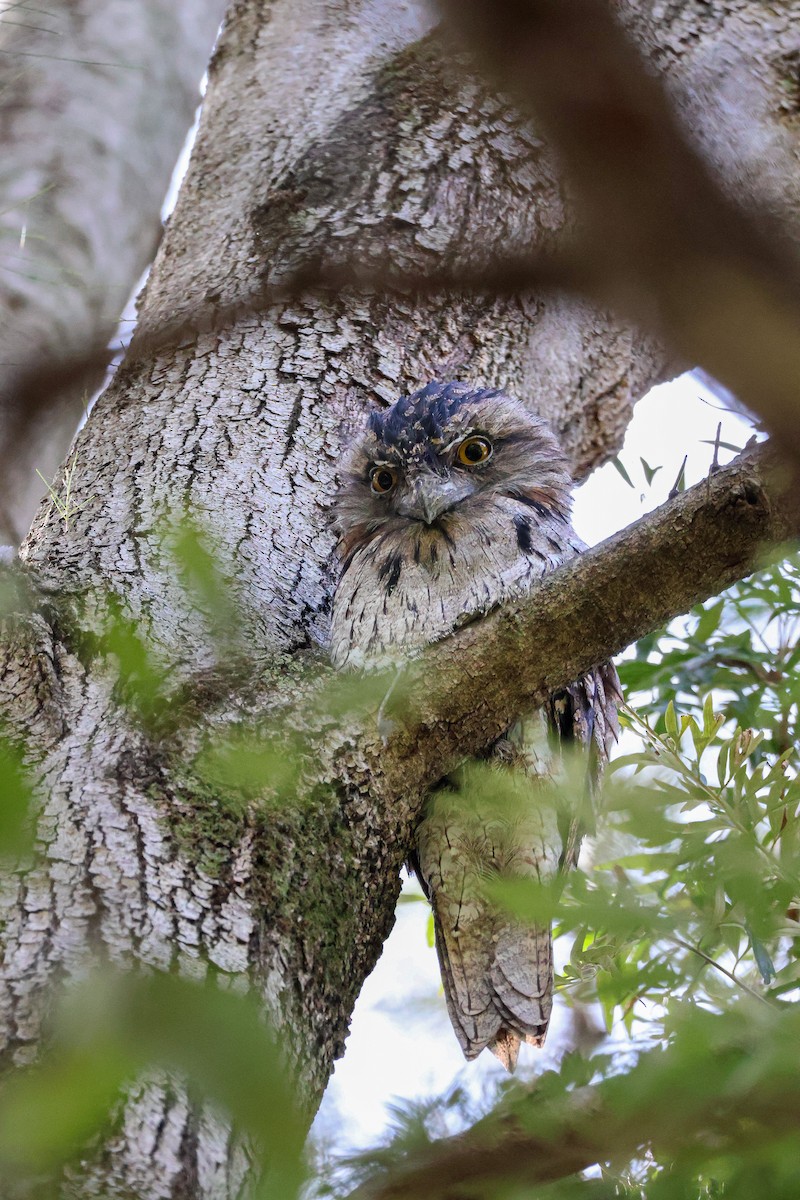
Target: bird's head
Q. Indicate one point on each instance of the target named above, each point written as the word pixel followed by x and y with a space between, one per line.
pixel 445 453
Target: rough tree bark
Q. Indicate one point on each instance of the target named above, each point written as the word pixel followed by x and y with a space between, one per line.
pixel 95 102
pixel 331 131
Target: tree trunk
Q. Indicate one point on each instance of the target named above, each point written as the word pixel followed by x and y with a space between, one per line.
pixel 332 131
pixel 95 103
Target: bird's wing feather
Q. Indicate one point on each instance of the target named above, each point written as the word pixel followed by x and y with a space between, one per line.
pixel 467 990
pixel 585 713
pixel 522 978
pixel 497 971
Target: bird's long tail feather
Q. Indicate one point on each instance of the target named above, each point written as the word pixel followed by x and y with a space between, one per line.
pixel 498 984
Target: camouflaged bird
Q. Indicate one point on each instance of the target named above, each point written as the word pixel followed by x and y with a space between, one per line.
pixel 453 501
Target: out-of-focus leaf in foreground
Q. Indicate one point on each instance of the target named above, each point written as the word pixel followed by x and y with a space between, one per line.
pixel 141 681
pixel 16 797
pixel 245 765
pixel 112 1029
pixel 192 551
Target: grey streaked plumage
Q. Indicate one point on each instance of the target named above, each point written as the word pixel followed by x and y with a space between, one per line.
pixel 455 500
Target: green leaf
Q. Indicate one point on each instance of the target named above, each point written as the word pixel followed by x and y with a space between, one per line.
pixel 710 722
pixel 698 738
pixel 16 798
pixel 724 445
pixel 430 931
pixel 618 464
pixel 722 761
pixel 244 765
pixel 114 1028
pixel 637 675
pixel 142 682
pixel 649 472
pixel 764 963
pixel 608 1005
pixel 709 621
pixel 671 722
pixel 196 563
pixel 680 483
pixel 528 899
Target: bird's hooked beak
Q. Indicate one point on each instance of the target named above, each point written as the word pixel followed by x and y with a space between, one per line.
pixel 427 495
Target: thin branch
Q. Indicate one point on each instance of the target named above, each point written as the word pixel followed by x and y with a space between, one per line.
pixel 712 962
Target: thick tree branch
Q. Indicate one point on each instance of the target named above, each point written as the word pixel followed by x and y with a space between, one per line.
pixel 471 686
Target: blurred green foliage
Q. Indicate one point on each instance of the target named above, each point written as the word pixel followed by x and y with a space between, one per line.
pixel 683 924
pixel 712 1112
pixel 710 833
pixel 16 798
pixel 111 1029
pixel 743 647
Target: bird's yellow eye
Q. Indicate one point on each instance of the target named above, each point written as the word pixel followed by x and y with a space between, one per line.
pixel 382 479
pixel 473 451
